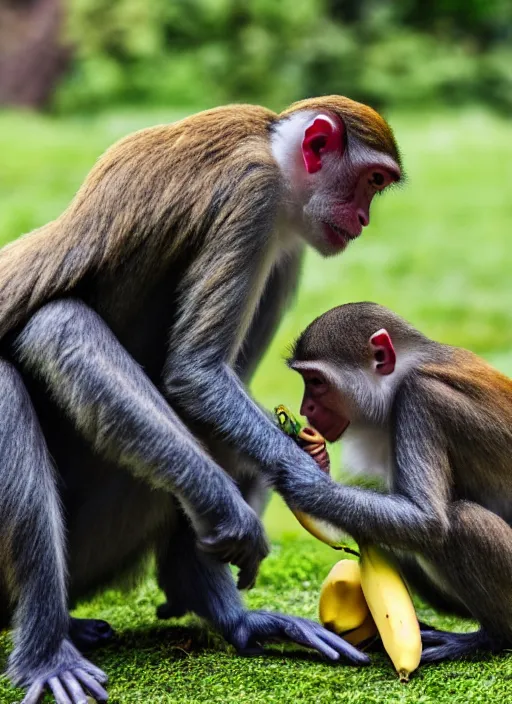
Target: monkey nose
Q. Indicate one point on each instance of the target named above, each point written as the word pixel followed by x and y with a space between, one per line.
pixel 363 216
pixel 307 408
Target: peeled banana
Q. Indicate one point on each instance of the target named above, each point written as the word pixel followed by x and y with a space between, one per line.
pixel 342 605
pixel 314 444
pixel 392 609
pixel 364 632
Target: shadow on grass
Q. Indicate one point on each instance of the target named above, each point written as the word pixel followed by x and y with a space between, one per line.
pixel 178 642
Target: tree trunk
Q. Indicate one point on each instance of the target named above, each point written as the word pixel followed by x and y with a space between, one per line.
pixel 32 57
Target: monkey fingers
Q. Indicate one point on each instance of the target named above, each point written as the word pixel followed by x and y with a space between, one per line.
pixel 444 645
pixel 256 627
pixel 70 686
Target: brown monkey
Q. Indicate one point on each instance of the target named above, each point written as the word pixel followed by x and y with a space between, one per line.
pixel 436 421
pixel 129 327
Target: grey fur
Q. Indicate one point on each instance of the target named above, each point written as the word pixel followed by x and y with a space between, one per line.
pixel 134 479
pixel 33 545
pixel 131 310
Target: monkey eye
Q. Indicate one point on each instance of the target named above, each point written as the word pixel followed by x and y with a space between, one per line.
pixel 315 381
pixel 316 384
pixel 380 179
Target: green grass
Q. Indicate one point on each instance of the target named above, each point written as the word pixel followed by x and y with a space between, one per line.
pixel 182 661
pixel 439 253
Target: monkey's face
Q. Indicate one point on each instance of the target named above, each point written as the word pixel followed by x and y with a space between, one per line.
pixel 342 389
pixel 339 196
pixel 323 405
pixel 333 177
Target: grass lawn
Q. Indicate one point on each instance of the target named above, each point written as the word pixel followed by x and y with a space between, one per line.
pixel 439 253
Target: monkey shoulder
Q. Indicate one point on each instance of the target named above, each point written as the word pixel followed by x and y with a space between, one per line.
pixel 468 405
pixel 216 142
pixel 462 387
pixel 427 392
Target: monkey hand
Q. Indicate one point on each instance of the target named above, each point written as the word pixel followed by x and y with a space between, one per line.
pixel 297 474
pixel 239 539
pixel 256 627
pixel 69 676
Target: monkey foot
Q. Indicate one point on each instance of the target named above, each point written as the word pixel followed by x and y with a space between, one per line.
pixel 69 677
pixel 89 633
pixel 256 627
pixel 444 645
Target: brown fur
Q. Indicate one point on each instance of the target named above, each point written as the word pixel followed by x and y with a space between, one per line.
pixel 441 428
pixel 477 381
pixel 155 192
pixel 133 198
pixel 361 120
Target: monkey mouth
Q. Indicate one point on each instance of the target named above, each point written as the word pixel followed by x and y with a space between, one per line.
pixel 337 236
pixel 332 432
pixel 335 432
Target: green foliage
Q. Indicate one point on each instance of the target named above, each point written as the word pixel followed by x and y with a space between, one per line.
pixel 191 52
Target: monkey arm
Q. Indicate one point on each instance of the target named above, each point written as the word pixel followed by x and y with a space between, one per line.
pixel 218 294
pixel 192 581
pixel 279 290
pixel 115 407
pixel 415 513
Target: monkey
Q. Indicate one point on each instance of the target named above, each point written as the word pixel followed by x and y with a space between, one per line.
pixel 129 329
pixel 435 421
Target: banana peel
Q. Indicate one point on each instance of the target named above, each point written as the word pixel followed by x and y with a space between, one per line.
pixel 342 606
pixel 322 530
pixel 364 634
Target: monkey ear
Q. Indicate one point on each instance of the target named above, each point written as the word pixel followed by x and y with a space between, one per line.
pixel 321 136
pixel 383 352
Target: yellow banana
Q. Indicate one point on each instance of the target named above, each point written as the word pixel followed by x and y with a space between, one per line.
pixel 342 604
pixel 392 610
pixel 321 530
pixel 366 630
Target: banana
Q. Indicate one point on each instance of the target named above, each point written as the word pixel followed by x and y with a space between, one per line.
pixel 342 605
pixel 321 530
pixel 392 610
pixel 364 632
pixel 314 444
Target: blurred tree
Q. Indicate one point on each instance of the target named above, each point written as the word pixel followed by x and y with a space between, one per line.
pixel 32 58
pixel 205 52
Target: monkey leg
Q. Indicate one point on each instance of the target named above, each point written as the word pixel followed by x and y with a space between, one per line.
pixel 428 590
pixel 120 412
pixel 33 554
pixel 475 564
pixel 195 582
